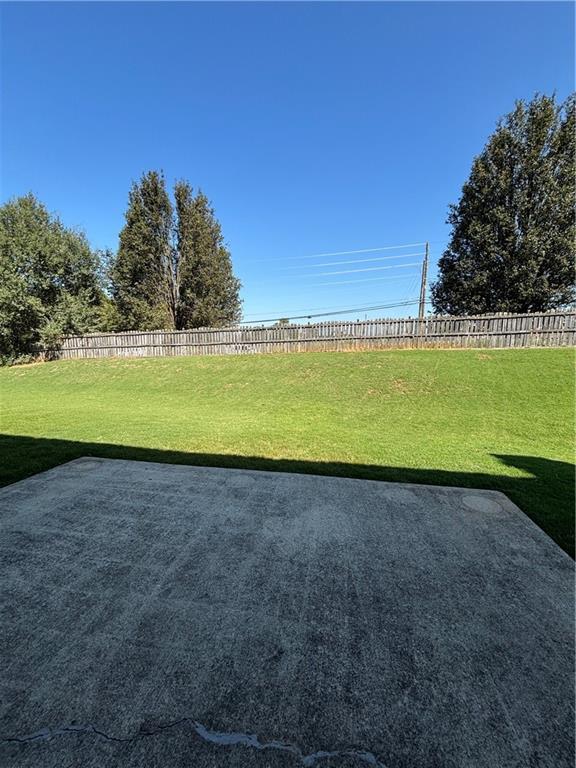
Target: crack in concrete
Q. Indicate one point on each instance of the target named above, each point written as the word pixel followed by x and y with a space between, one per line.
pixel 220 738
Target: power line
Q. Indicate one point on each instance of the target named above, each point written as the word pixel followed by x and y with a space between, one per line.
pixel 346 253
pixel 413 285
pixel 362 250
pixel 288 312
pixel 423 284
pixel 301 281
pixel 368 269
pixel 353 261
pixel 302 278
pixel 341 312
pixel 364 280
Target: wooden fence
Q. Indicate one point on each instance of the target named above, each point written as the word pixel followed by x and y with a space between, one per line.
pixel 549 329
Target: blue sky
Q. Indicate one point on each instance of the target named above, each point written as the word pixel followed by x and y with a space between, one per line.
pixel 313 127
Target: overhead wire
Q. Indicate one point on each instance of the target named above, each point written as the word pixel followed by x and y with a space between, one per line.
pixel 290 312
pixel 366 308
pixel 363 280
pixel 369 269
pixel 354 261
pixel 341 312
pixel 359 250
pixel 343 253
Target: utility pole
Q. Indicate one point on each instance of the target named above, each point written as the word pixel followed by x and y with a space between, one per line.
pixel 422 305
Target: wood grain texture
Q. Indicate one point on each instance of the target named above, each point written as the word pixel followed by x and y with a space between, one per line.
pixel 547 329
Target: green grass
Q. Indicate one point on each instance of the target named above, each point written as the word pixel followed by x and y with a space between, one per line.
pixel 489 419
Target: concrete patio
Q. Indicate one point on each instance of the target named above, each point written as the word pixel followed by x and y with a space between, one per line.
pixel 161 615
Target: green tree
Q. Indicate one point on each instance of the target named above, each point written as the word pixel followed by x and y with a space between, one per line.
pixel 207 293
pixel 173 269
pixel 513 230
pixel 49 284
pixel 140 274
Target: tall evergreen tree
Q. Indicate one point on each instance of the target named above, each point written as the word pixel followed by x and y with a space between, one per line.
pixel 140 275
pixel 173 269
pixel 513 232
pixel 207 291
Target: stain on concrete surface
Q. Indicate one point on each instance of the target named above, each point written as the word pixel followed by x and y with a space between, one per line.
pixel 223 739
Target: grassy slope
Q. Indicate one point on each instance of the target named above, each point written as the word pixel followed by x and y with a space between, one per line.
pixel 493 419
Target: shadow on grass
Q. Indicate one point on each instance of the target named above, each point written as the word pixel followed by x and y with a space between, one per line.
pixel 546 495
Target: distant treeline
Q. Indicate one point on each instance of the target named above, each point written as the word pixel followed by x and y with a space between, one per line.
pixel 172 271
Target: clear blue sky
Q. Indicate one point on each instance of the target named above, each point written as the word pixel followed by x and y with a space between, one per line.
pixel 313 127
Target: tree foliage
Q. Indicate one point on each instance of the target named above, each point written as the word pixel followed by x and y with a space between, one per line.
pixel 207 291
pixel 49 284
pixel 513 230
pixel 141 269
pixel 173 269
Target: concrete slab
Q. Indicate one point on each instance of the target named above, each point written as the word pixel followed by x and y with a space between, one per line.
pixel 158 615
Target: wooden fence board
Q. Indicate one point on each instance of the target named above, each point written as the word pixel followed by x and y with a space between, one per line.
pixel 494 331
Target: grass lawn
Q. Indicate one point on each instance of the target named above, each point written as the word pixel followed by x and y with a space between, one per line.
pixel 500 419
